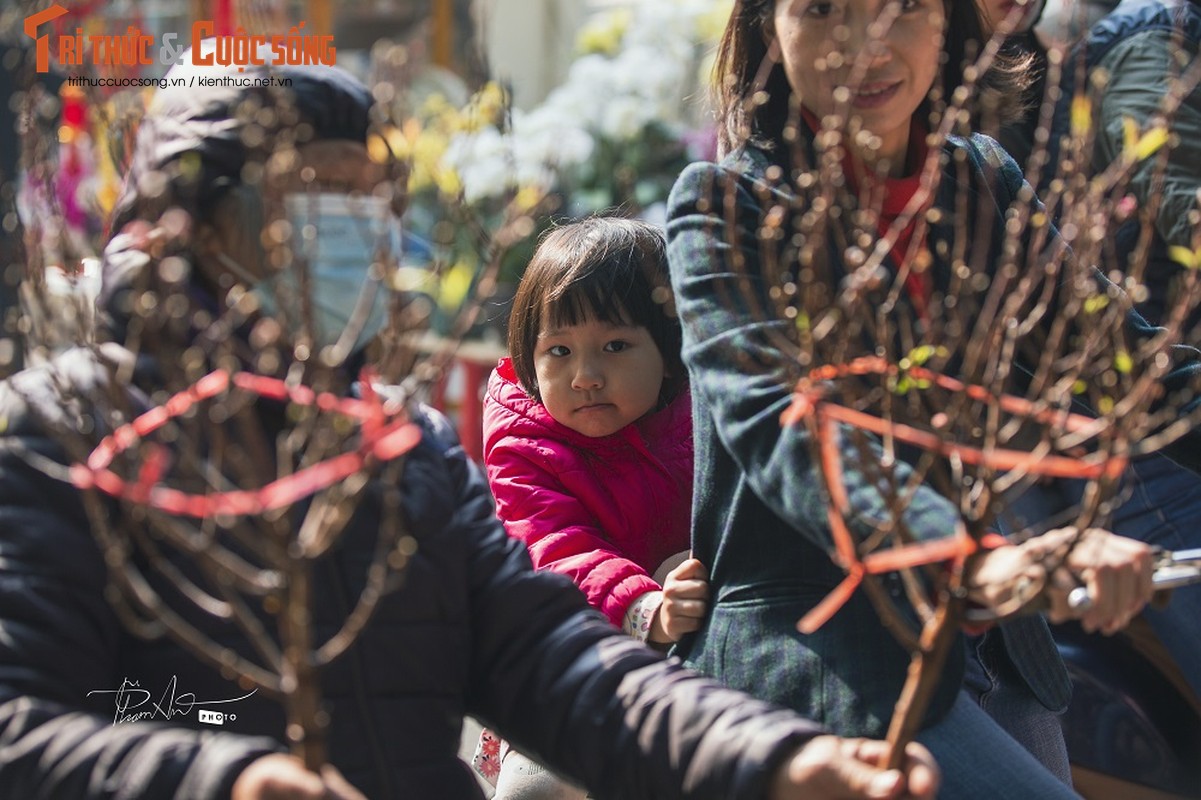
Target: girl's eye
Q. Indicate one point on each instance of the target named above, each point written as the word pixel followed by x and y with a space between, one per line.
pixel 819 9
pixel 616 346
pixel 558 350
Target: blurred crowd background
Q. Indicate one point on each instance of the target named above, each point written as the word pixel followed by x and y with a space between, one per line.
pixel 570 106
pixel 562 107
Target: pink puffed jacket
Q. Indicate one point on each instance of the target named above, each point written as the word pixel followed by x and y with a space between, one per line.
pixel 605 512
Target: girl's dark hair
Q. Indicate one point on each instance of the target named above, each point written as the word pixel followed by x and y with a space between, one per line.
pixel 605 268
pixel 744 68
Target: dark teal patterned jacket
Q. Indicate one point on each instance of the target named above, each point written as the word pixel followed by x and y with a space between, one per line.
pixel 759 512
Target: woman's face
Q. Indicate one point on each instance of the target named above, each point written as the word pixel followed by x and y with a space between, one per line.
pixel 848 50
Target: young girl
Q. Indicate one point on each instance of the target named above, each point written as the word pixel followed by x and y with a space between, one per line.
pixel 588 434
pixel 740 244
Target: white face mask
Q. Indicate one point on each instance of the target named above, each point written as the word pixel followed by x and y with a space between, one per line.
pixel 338 237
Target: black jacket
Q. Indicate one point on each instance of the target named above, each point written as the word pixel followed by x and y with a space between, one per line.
pixel 468 629
pixel 471 630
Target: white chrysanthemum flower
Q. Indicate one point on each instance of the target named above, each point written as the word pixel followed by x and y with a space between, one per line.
pixel 547 140
pixel 483 161
pixel 611 97
pixel 625 118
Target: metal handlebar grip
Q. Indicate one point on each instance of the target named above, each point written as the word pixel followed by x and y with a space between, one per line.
pixel 1176 571
pixel 1079 599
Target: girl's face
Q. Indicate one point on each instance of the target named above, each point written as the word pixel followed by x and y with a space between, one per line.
pixel 823 44
pixel 596 377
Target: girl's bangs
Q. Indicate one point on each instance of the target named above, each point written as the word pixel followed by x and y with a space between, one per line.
pixel 582 301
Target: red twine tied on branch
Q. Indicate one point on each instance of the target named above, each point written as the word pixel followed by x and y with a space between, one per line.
pixel 808 403
pixel 384 435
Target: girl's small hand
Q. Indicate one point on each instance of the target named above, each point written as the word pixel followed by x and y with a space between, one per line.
pixel 685 602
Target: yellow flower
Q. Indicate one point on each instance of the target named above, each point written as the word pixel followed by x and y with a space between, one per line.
pixel 490 105
pixel 109 181
pixel 1190 259
pixel 603 33
pixel 921 354
pixel 454 285
pixel 388 143
pixel 1082 116
pixel 435 105
pixel 709 26
pixel 426 153
pixel 1122 362
pixel 1135 148
pixel 448 182
pixel 528 198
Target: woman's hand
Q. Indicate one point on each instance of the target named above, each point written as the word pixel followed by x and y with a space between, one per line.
pixel 1115 570
pixel 281 777
pixel 829 768
pixel 685 602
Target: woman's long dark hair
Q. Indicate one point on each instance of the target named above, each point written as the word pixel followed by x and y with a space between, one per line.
pixel 753 97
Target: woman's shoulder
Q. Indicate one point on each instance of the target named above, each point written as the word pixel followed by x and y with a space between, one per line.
pixel 983 151
pixel 992 171
pixel 749 172
pixel 748 162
